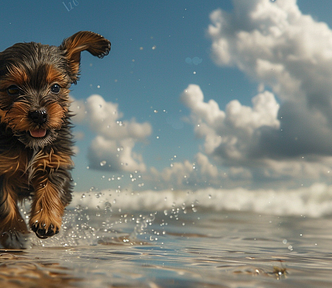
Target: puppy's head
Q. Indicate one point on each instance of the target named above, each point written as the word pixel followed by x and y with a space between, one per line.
pixel 34 85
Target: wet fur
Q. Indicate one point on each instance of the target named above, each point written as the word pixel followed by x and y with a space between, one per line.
pixel 38 168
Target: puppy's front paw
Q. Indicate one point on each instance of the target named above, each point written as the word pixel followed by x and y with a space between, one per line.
pixel 43 230
pixel 46 216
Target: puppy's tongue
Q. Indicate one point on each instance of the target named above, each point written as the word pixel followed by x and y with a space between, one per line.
pixel 38 133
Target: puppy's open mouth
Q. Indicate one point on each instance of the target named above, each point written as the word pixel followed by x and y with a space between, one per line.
pixel 38 133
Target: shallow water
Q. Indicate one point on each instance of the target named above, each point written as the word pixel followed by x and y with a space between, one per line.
pixel 179 247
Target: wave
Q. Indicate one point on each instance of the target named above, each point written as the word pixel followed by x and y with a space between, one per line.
pixel 313 201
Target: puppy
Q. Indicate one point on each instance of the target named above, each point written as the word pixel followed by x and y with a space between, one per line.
pixel 35 137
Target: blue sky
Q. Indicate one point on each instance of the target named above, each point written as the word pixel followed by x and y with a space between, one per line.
pixel 166 56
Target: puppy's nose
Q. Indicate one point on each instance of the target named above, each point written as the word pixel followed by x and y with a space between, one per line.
pixel 38 116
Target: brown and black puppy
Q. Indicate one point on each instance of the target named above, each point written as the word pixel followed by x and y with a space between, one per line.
pixel 35 137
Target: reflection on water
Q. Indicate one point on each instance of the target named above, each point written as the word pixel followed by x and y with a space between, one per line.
pixel 191 249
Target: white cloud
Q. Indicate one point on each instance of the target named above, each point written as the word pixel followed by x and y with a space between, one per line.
pixel 230 133
pixel 114 155
pixel 206 168
pixel 113 147
pixel 104 118
pixel 181 175
pixel 279 47
pixel 276 44
pixel 236 139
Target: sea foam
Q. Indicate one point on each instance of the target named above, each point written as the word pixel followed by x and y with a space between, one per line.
pixel 313 201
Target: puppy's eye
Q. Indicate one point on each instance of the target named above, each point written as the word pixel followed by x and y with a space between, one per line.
pixel 55 88
pixel 13 90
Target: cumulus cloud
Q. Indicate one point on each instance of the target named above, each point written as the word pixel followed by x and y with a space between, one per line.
pixel 199 173
pixel 278 46
pixel 114 155
pixel 241 140
pixel 113 147
pixel 230 134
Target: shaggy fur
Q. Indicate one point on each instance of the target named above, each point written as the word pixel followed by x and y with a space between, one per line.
pixel 35 137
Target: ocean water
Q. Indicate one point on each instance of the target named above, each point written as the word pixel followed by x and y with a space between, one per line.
pixel 207 238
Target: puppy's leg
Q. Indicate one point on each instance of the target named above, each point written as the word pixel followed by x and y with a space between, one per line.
pixel 52 185
pixel 50 200
pixel 13 230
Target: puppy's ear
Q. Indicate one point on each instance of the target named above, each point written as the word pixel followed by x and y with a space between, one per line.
pixel 72 47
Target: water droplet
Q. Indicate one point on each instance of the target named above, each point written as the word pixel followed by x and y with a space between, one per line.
pixel 108 205
pixel 188 60
pixel 196 60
